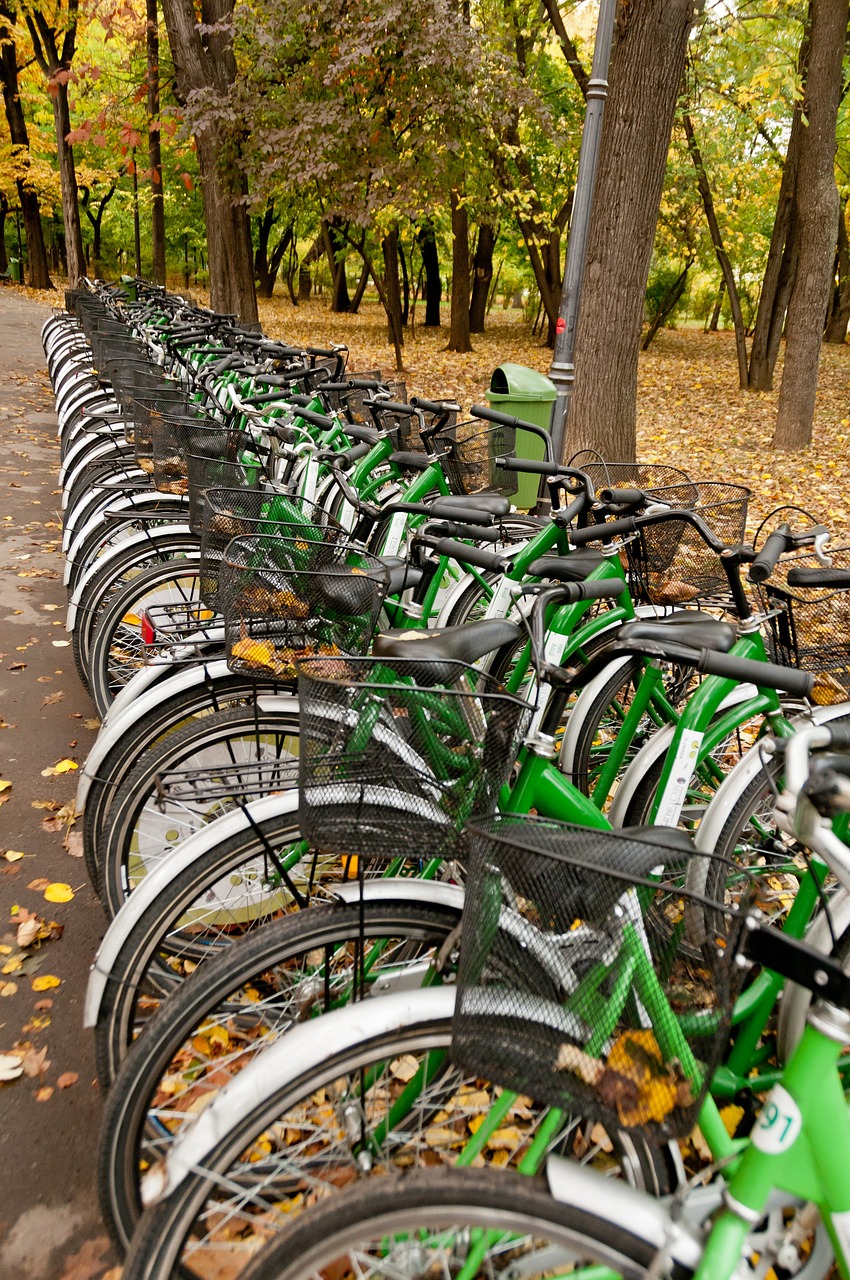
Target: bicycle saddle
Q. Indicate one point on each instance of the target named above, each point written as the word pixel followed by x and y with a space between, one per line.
pixel 695 629
pixel 572 568
pixel 439 651
pixel 491 504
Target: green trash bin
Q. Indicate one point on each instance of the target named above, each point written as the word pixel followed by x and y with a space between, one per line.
pixel 15 272
pixel 527 394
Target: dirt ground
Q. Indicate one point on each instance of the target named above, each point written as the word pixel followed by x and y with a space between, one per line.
pixel 50 1227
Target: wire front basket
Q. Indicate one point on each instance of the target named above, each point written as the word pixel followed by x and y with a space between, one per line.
pixel 469 453
pixel 394 759
pixel 284 599
pixel 238 513
pixel 588 978
pixel 810 626
pixel 670 563
pixel 219 457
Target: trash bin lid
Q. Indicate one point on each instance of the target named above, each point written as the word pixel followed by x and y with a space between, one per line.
pixel 525 384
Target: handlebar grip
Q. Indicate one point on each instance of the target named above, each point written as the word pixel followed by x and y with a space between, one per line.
pixel 505 420
pixel 473 555
pixel 453 510
pixel 357 384
pixel 602 532
pixel 767 559
pixel 623 497
pixel 449 529
pixel 317 419
pixel 840 734
pixel 330 352
pixel 391 406
pixel 602 589
pixel 434 406
pixel 766 674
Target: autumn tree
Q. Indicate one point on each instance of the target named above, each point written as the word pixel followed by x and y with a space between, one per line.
pixel 39 275
pixel 54 38
pixel 647 63
pixel 155 142
pixel 205 71
pixel 817 211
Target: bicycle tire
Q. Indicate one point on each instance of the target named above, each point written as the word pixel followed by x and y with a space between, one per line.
pixel 157 1251
pixel 426 1204
pixel 226 739
pixel 111 577
pixel 116 649
pixel 142 736
pixel 129 1131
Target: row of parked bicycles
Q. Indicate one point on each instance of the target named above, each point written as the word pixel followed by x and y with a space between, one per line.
pixel 472 877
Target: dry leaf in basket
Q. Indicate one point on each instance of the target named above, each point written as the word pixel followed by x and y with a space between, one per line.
pixel 145 464
pixel 670 590
pixel 634 1081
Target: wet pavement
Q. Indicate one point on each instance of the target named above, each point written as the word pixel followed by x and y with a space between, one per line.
pixel 50 1226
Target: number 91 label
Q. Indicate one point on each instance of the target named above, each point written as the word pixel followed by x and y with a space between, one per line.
pixel 779 1123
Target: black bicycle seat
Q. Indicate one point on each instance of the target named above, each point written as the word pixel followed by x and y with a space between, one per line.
pixel 697 630
pixel 438 651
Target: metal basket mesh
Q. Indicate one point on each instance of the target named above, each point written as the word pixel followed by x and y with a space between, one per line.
pixel 219 457
pixel 470 450
pixel 811 626
pixel 392 767
pixel 238 513
pixel 575 985
pixel 289 598
pixel 670 563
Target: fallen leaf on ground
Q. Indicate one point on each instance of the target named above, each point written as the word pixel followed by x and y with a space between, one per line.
pixel 74 844
pixel 58 892
pixel 45 982
pixel 13 855
pixel 66 1079
pixel 8 988
pixel 28 931
pixel 45 804
pixel 44 1093
pixel 52 698
pixel 35 1062
pixel 63 766
pixel 5 785
pixel 11 1066
pixel 46 1003
pixel 39 884
pixel 87 1262
pixel 60 644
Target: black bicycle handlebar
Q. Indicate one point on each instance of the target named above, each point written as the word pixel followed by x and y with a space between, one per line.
pixel 768 558
pixel 471 555
pixel 434 406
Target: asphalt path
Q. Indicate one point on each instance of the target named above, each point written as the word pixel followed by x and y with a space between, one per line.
pixel 50 1226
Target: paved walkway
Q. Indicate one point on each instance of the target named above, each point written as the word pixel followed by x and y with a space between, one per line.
pixel 50 1227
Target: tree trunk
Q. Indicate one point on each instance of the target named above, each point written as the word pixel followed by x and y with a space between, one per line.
pixel 713 322
pixel 37 265
pixel 433 284
pixel 335 249
pixel 360 290
pixel 782 253
pixel 839 312
pixel 207 63
pixel 68 181
pixel 667 304
pixel 459 339
pixel 276 258
pixel 305 279
pixel 646 70
pixel 720 251
pixel 818 209
pixel 261 253
pixel 389 246
pixel 155 146
pixel 482 274
pixel 4 209
pixel 405 283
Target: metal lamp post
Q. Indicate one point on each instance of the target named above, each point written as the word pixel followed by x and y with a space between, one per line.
pixel 562 371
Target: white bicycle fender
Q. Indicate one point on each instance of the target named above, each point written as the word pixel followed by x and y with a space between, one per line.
pixel 402 888
pixel 135 540
pixel 193 849
pixel 288 1058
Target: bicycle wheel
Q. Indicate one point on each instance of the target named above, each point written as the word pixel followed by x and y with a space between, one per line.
pixel 231 888
pixel 230 1008
pixel 596 719
pixel 115 572
pixel 171 709
pixel 188 780
pixel 389 1100
pixel 116 649
pixel 424 1224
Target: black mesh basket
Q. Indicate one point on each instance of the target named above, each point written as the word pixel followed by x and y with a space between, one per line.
pixel 238 513
pixel 283 599
pixel 171 432
pixel 810 628
pixel 576 985
pixel 219 457
pixel 648 476
pixel 670 563
pixel 469 451
pixel 146 406
pixel 396 755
